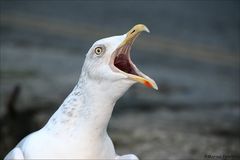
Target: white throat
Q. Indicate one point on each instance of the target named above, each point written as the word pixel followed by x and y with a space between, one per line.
pixel 88 108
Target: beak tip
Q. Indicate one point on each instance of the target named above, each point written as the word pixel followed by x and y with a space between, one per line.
pixel 146 29
pixel 141 27
pixel 155 87
pixel 151 84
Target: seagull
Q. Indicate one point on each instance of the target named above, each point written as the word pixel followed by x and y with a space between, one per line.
pixel 78 129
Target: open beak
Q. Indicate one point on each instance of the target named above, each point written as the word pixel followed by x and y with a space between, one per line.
pixel 123 62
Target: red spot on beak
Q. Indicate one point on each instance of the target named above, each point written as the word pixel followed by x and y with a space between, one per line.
pixel 148 84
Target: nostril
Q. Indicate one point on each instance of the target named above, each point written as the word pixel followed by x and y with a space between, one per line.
pixel 133 31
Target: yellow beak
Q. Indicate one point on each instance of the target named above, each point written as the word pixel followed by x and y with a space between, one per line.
pixel 132 34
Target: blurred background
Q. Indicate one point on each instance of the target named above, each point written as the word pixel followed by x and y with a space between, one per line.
pixel 192 52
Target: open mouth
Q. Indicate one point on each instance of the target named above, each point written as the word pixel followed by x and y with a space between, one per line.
pixel 122 62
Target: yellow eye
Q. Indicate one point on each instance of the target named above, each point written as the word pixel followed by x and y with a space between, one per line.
pixel 98 50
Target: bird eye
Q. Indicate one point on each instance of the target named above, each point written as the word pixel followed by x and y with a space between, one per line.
pixel 98 50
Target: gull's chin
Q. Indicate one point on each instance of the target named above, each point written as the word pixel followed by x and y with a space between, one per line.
pixel 144 79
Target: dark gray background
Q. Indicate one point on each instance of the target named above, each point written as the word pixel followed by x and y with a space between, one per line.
pixel 192 52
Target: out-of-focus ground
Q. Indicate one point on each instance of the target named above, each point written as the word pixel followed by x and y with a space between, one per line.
pixel 192 53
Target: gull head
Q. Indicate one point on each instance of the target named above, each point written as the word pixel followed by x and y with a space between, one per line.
pixel 109 60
